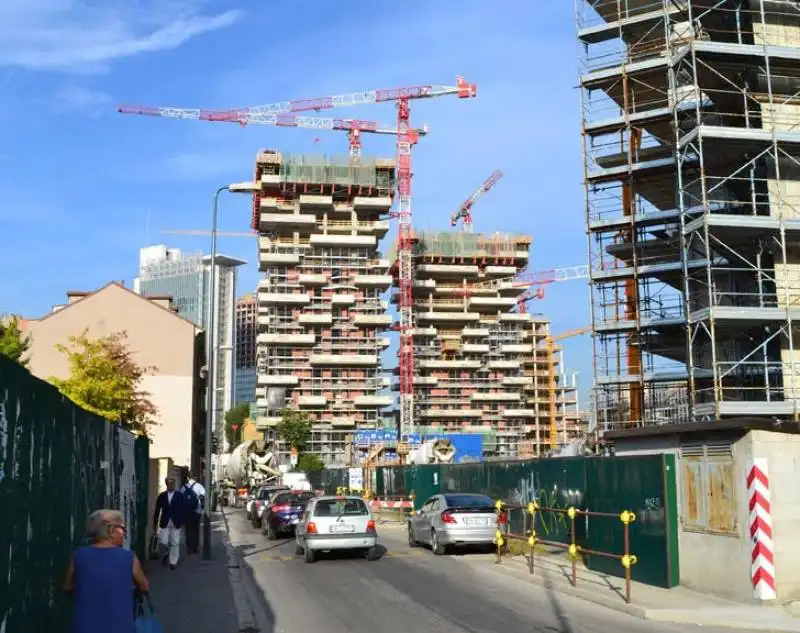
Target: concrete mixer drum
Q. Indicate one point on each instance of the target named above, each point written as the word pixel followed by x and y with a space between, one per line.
pixel 443 452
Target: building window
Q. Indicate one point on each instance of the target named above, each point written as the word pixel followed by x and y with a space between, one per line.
pixel 708 496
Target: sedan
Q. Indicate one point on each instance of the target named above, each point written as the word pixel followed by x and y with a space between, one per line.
pixel 334 524
pixel 283 515
pixel 452 520
pixel 262 501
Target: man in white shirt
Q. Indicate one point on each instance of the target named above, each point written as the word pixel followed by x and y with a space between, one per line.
pixel 195 495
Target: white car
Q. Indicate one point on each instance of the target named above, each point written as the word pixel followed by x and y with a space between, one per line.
pixel 332 523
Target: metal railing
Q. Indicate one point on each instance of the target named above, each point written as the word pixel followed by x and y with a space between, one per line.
pixel 572 547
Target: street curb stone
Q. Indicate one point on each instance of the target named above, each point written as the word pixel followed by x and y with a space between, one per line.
pixel 244 612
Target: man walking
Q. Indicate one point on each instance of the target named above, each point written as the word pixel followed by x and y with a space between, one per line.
pixel 195 495
pixel 170 516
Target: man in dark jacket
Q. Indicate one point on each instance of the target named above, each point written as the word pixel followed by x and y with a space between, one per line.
pixel 169 517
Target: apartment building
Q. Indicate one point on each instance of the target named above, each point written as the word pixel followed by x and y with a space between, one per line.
pixel 321 313
pixel 244 382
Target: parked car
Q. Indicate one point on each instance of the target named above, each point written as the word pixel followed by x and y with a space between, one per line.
pixel 261 499
pixel 336 523
pixel 453 520
pixel 284 512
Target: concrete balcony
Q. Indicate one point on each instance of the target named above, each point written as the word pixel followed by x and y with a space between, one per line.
pixel 343 300
pixel 424 284
pixel 475 331
pixel 501 396
pixel 504 364
pixel 378 228
pixel 518 380
pixel 516 348
pixel 372 320
pixel 515 317
pixel 344 360
pixel 448 317
pixel 451 413
pixel 423 331
pixel 307 279
pixel 380 204
pixel 501 271
pixel 519 413
pixel 475 347
pixel 386 381
pixel 374 401
pixel 315 204
pixel 379 264
pixel 274 205
pixel 312 401
pixel 317 318
pixel 329 239
pixel 264 423
pixel 449 364
pixel 278 298
pixel 447 270
pixel 425 381
pixel 270 179
pixel 265 380
pixel 266 260
pixel 342 422
pixel 373 281
pixel 291 221
pixel 286 339
pixel 491 303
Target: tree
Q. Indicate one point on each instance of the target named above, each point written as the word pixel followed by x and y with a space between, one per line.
pixel 310 463
pixel 235 416
pixel 104 379
pixel 294 428
pixel 13 343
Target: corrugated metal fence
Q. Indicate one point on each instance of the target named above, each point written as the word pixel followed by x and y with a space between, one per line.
pixel 58 463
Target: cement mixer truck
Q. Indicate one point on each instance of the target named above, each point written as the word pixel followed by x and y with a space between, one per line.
pixel 250 464
pixel 439 451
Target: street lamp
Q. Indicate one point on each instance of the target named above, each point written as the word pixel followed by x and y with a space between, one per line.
pixel 211 353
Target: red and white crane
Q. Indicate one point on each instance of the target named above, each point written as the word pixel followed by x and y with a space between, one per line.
pixel 406 138
pixel 465 210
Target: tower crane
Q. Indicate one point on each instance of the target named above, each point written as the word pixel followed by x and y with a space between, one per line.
pixel 465 210
pixel 406 138
pixel 552 383
pixel 207 232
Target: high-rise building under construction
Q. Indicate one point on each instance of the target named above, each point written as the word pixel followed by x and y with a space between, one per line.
pixel 322 319
pixel 691 138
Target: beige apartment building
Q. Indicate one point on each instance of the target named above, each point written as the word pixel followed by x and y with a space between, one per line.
pixel 158 338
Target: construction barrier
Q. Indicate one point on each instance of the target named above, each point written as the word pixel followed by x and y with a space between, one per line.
pixel 573 549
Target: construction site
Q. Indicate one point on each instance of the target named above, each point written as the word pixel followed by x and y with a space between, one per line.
pixel 690 117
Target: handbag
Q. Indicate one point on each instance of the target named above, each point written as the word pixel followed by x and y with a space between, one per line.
pixel 146 620
pixel 152 551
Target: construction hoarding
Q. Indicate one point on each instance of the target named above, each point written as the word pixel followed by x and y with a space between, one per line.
pixel 58 463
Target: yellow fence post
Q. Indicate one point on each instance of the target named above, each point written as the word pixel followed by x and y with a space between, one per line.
pixel 627 559
pixel 532 507
pixel 499 534
pixel 573 546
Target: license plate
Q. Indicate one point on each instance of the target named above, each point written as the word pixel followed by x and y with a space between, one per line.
pixel 345 528
pixel 475 521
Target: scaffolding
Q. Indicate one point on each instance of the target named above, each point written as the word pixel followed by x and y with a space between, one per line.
pixel 458 244
pixel 321 169
pixel 691 114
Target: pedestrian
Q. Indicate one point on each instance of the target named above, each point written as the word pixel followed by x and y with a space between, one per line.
pixel 195 495
pixel 169 517
pixel 101 578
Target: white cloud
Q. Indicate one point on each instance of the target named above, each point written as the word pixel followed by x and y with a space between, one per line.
pixel 78 99
pixel 87 35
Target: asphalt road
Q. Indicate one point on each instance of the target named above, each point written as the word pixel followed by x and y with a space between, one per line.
pixel 410 590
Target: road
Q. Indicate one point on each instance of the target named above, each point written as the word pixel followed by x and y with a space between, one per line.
pixel 411 590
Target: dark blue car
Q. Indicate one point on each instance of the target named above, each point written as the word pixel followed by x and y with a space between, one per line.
pixel 284 513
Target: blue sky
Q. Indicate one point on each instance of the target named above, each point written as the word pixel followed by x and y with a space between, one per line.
pixel 79 181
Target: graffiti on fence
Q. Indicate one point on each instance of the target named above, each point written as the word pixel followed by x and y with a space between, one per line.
pixel 530 488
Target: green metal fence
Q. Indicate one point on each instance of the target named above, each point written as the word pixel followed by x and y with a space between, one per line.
pixel 58 463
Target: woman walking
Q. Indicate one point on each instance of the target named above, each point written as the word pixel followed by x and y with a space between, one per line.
pixel 102 578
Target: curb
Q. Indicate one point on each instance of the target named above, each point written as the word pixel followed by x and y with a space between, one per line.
pixel 698 617
pixel 244 612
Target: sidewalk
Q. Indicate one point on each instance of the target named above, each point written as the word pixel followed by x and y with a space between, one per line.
pixel 678 605
pixel 196 597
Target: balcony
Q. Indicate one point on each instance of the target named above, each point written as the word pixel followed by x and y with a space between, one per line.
pixel 329 239
pixel 342 422
pixel 424 331
pixel 318 318
pixel 380 204
pixel 378 228
pixel 350 360
pixel 501 271
pixel 518 348
pixel 372 320
pixel 278 298
pixel 316 204
pixel 274 205
pixel 451 413
pixel 499 396
pixel 373 281
pixel 449 364
pixel 443 270
pixel 519 413
pixel 492 303
pixel 265 380
pixel 286 339
pixel 518 380
pixel 307 279
pixel 451 317
pixel 264 423
pixel 312 401
pixel 515 317
pixel 343 300
pixel 504 364
pixel 475 331
pixel 380 264
pixel 475 347
pixel 273 221
pixel 374 401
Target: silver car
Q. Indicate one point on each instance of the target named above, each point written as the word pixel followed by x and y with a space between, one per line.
pixel 453 519
pixel 336 523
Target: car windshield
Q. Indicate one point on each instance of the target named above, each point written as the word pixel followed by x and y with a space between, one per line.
pixel 292 498
pixel 468 501
pixel 264 493
pixel 340 507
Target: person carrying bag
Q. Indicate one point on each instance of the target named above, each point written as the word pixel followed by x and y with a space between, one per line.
pixel 146 620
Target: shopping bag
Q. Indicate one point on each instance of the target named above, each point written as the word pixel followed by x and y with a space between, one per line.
pixel 146 620
pixel 152 551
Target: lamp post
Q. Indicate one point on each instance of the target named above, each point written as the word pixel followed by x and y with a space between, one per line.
pixel 211 353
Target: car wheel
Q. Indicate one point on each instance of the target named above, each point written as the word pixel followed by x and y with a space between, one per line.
pixel 271 535
pixel 309 555
pixel 436 546
pixel 298 549
pixel 412 542
pixel 372 553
